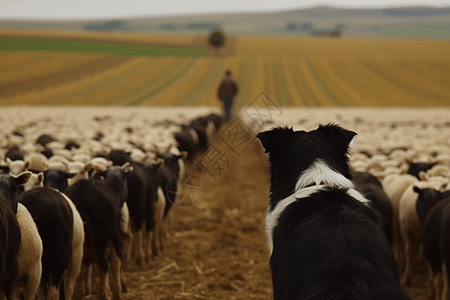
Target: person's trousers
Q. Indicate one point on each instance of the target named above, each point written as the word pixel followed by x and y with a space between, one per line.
pixel 227 108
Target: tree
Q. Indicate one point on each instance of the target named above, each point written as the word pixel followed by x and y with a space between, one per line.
pixel 340 27
pixel 216 39
pixel 291 26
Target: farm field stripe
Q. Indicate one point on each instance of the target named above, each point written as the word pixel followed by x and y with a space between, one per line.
pixel 306 87
pixel 329 48
pixel 439 80
pixel 43 65
pixel 205 85
pixel 387 90
pixel 175 93
pixel 311 91
pixel 290 83
pixel 268 87
pixel 402 96
pixel 79 91
pixel 10 89
pixel 15 58
pixel 342 96
pixel 419 82
pixel 442 71
pixel 383 71
pixel 417 95
pixel 166 82
pixel 205 69
pixel 112 83
pixel 441 66
pixel 330 97
pixel 281 89
pixel 258 78
pixel 297 85
pixel 166 70
pixel 338 85
pixel 117 83
pixel 15 61
pixel 247 68
pixel 367 90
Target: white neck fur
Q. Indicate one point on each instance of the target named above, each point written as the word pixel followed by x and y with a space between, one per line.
pixel 321 173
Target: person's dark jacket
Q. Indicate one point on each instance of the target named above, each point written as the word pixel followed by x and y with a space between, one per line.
pixel 228 88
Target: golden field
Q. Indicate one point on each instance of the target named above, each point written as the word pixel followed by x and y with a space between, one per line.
pixel 313 72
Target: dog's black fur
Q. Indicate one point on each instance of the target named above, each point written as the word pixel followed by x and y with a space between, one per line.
pixel 324 238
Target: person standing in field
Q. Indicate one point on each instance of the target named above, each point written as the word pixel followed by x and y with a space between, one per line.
pixel 228 89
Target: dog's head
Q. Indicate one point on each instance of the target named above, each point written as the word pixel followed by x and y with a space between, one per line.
pixel 291 153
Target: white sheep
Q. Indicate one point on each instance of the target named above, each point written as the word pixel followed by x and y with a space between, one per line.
pixel 395 185
pixel 29 256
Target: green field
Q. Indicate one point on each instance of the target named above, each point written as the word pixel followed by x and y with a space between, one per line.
pixel 124 50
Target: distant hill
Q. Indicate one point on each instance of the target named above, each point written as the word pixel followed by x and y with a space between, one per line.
pixel 407 22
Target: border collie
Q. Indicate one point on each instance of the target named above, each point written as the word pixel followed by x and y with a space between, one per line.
pixel 324 239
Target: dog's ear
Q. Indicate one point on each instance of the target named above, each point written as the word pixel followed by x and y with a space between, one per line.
pixel 275 138
pixel 340 136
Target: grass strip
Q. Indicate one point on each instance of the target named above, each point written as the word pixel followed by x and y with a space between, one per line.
pixel 125 50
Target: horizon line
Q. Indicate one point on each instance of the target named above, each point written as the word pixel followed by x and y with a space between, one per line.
pixel 214 13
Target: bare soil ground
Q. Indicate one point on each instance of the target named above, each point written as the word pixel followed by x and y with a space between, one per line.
pixel 217 247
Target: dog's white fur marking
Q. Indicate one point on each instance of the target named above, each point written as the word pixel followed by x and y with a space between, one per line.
pixel 273 216
pixel 321 176
pixel 321 173
pixel 358 196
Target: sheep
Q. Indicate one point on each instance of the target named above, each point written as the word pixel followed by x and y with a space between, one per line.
pixel 409 223
pixel 395 185
pixel 36 161
pixel 36 180
pixel 15 166
pixel 29 256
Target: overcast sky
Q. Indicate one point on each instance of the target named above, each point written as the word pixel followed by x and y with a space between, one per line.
pixel 90 9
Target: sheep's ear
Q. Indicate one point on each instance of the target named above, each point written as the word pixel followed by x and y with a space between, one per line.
pixel 183 155
pixel 22 178
pixel 274 139
pixel 26 165
pixel 423 176
pixel 127 168
pixel 40 177
pixel 158 163
pixel 88 167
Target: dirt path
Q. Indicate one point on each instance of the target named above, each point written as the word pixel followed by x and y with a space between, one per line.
pixel 217 247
